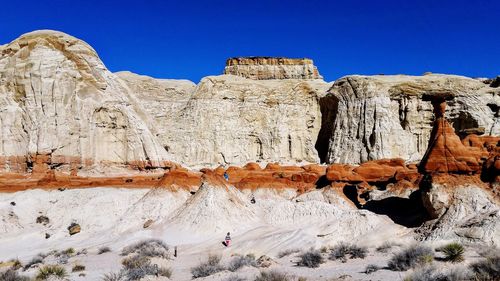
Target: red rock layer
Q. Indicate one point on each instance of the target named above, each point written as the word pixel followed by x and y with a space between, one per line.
pixel 446 153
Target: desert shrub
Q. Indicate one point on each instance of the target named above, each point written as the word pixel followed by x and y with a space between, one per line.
pixel 35 260
pixel 311 258
pixel 165 271
pixel 411 257
pixel 12 275
pixel 114 276
pixel 234 278
pixel 486 269
pixel 16 264
pixel 453 252
pixel 287 252
pixel 241 261
pixel 425 273
pixel 148 248
pixel 78 267
pixel 371 268
pixel 103 250
pixel 211 266
pixel 69 251
pixel 81 252
pixel 272 276
pixel 343 250
pixel 385 247
pixel 142 271
pixel 135 261
pixel 45 272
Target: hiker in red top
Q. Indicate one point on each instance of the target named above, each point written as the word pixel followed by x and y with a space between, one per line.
pixel 228 239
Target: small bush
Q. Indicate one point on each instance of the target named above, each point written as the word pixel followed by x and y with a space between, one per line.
pixel 371 268
pixel 69 251
pixel 211 266
pixel 324 249
pixel 287 252
pixel 487 269
pixel 453 252
pixel 103 250
pixel 425 273
pixel 51 270
pixel 135 262
pixel 114 276
pixel 241 261
pixel 234 278
pixel 16 264
pixel 148 248
pixel 142 271
pixel 272 276
pixel 311 258
pixel 12 275
pixel 385 247
pixel 343 250
pixel 411 257
pixel 35 260
pixel 165 271
pixel 78 267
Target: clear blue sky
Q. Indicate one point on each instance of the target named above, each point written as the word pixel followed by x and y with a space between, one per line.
pixel 192 39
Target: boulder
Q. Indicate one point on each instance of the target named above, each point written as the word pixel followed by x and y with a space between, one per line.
pixel 74 228
pixel 147 223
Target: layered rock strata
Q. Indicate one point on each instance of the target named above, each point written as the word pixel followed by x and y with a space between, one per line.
pixel 264 68
pixel 60 103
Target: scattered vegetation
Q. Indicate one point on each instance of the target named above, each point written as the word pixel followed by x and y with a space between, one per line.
pixel 103 250
pixel 78 267
pixel 371 268
pixel 241 261
pixel 287 252
pixel 135 262
pixel 272 276
pixel 12 275
pixel 148 248
pixel 453 252
pixel 343 251
pixel 411 257
pixel 311 258
pixel 46 271
pixel 211 266
pixel 487 269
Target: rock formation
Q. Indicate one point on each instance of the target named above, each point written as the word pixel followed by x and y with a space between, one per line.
pixel 61 108
pixel 233 120
pixel 264 68
pixel 375 117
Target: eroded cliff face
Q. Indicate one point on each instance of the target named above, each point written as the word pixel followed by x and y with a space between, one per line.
pixel 374 117
pixel 264 68
pixel 62 109
pixel 233 120
pixel 59 102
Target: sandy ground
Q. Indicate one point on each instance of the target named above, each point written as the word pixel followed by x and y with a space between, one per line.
pixel 196 224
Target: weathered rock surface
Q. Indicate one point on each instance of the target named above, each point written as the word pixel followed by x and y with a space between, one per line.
pixel 374 117
pixel 463 210
pixel 59 101
pixel 233 120
pixel 264 68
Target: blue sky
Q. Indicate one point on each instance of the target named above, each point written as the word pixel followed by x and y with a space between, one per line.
pixel 191 39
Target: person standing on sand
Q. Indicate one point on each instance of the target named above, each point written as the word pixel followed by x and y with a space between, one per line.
pixel 228 239
pixel 226 176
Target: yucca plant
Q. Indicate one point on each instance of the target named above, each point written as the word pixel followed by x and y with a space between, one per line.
pixel 453 252
pixel 45 272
